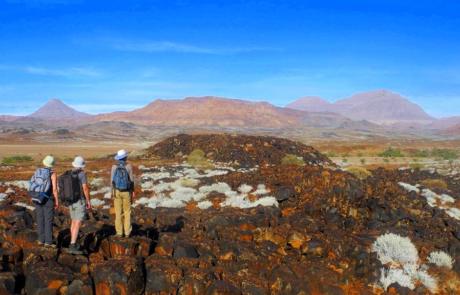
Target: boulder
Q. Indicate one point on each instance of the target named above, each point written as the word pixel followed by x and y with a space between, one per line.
pixel 122 275
pixel 163 276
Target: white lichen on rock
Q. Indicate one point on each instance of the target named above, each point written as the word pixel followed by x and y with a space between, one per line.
pixel 409 188
pixel 441 259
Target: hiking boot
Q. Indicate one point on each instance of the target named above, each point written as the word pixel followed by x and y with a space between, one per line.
pixel 74 249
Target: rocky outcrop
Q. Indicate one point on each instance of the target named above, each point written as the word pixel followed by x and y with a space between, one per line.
pixel 319 239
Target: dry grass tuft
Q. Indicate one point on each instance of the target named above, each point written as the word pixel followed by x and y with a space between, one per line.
pixel 291 159
pixel 359 172
pixel 198 160
pixel 434 184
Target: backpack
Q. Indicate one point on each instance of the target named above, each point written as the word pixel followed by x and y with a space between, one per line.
pixel 121 179
pixel 69 187
pixel 40 185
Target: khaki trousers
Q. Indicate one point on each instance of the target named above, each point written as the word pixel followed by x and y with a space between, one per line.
pixel 122 204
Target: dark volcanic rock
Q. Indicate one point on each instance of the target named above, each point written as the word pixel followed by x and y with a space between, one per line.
pixel 124 275
pixel 244 150
pixel 316 241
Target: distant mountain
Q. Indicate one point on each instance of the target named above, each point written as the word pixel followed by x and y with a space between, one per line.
pixel 8 118
pixel 380 106
pixel 311 104
pixel 446 123
pixel 56 110
pixel 220 112
pixel 453 130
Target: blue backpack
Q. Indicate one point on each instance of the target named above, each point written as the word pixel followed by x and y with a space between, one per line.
pixel 121 179
pixel 40 185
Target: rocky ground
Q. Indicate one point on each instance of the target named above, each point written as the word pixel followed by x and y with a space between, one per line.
pixel 248 225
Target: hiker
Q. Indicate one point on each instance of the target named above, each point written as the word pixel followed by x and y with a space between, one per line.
pixel 122 191
pixel 44 194
pixel 74 193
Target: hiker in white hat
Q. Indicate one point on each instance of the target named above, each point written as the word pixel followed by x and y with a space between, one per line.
pixel 122 180
pixel 44 193
pixel 75 192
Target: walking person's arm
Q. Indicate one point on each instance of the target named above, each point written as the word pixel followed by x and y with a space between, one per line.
pixel 55 190
pixel 86 193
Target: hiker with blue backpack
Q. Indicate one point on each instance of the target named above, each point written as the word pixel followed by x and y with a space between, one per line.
pixel 74 193
pixel 122 180
pixel 44 194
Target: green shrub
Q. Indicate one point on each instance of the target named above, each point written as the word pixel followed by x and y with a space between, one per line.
pixel 291 159
pixel 391 153
pixel 331 154
pixel 16 160
pixel 363 161
pixel 345 160
pixel 420 154
pixel 444 154
pixel 198 160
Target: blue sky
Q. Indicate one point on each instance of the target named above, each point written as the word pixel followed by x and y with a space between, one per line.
pixel 101 56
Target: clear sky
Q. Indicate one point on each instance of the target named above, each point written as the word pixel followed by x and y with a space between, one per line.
pixel 100 56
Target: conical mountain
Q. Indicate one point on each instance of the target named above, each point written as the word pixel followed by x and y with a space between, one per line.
pixel 55 109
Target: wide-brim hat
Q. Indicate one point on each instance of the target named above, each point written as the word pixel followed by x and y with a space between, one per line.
pixel 48 161
pixel 79 162
pixel 121 154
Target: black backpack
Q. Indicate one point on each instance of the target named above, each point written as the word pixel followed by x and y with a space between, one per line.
pixel 69 187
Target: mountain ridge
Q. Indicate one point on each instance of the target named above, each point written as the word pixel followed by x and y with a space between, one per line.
pixel 378 106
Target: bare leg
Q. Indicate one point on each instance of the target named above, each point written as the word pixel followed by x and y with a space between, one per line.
pixel 74 228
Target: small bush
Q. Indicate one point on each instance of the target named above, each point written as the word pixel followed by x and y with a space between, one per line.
pixel 291 159
pixel 345 160
pixel 363 161
pixel 444 154
pixel 331 154
pixel 416 166
pixel 434 183
pixel 359 172
pixel 16 160
pixel 197 159
pixel 391 153
pixel 420 153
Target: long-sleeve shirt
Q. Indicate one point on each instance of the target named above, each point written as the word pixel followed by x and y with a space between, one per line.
pixel 129 168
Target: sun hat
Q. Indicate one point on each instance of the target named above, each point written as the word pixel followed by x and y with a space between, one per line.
pixel 121 154
pixel 48 161
pixel 78 162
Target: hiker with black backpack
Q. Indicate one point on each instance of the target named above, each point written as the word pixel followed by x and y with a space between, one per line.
pixel 123 191
pixel 74 193
pixel 44 194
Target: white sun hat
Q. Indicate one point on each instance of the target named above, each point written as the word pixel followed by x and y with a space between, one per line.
pixel 48 161
pixel 121 154
pixel 78 162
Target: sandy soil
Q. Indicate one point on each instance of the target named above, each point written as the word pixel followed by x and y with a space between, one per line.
pixel 64 150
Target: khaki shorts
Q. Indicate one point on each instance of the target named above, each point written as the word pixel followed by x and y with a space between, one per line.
pixel 78 210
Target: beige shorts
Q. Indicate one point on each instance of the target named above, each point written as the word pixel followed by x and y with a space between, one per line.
pixel 78 210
